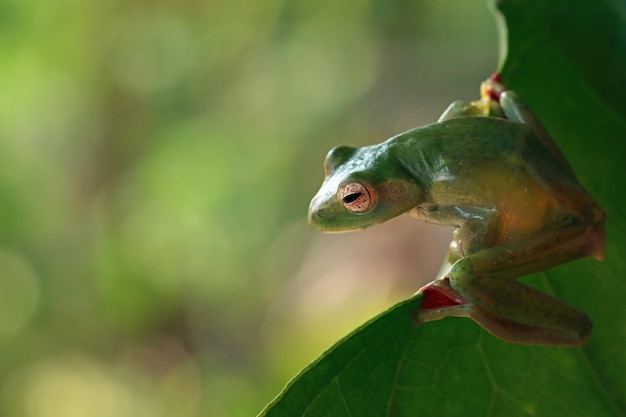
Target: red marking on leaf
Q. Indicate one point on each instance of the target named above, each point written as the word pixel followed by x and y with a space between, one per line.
pixel 495 77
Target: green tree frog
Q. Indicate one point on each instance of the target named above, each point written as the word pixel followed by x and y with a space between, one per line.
pixel 488 169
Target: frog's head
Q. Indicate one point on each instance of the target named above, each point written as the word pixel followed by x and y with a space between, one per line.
pixel 362 187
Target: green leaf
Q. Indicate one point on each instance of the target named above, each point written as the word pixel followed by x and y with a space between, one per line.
pixel 567 60
pixel 449 368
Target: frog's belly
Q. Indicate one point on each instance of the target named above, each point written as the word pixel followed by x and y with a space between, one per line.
pixel 526 211
pixel 524 205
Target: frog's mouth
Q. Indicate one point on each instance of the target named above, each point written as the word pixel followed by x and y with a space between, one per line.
pixel 329 216
pixel 327 221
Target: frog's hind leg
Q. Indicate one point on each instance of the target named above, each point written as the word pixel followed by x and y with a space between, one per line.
pixel 537 317
pixel 487 278
pixel 575 333
pixel 485 282
pixel 568 326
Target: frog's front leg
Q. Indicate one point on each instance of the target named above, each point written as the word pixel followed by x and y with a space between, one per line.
pixel 459 108
pixel 482 286
pixel 476 228
pixel 483 107
pixel 488 105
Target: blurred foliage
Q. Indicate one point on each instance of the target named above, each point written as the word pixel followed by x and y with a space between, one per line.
pixel 156 163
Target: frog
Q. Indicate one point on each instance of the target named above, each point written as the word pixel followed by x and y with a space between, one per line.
pixel 490 170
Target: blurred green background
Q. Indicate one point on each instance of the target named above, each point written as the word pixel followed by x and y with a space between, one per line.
pixel 156 163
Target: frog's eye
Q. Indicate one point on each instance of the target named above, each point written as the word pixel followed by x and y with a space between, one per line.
pixel 355 197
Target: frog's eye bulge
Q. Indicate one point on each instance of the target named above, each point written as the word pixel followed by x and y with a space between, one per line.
pixel 337 156
pixel 356 197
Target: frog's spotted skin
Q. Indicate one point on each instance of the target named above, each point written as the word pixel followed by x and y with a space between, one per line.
pixel 512 197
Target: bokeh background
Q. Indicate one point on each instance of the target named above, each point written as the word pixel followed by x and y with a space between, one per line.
pixel 156 163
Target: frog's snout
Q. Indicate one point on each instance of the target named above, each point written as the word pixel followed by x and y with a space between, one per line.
pixel 315 215
pixel 318 210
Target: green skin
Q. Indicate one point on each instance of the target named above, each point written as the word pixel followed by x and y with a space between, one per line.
pixel 513 199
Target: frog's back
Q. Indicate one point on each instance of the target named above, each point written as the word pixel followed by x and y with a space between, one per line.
pixel 478 148
pixel 494 164
pixel 463 147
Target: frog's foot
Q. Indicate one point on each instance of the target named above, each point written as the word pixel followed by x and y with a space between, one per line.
pixel 491 88
pixel 489 102
pixel 439 301
pixel 438 294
